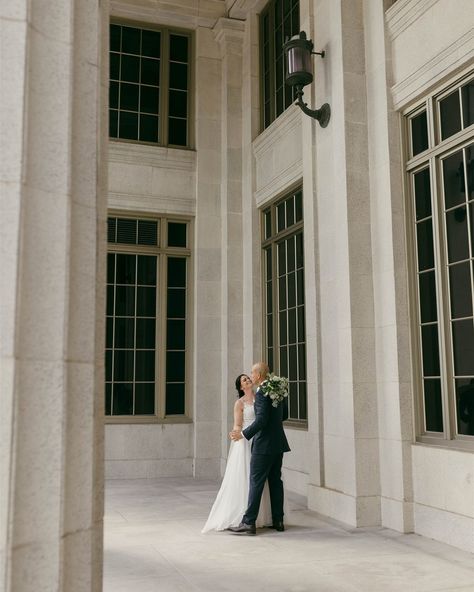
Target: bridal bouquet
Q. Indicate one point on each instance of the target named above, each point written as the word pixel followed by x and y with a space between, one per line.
pixel 275 387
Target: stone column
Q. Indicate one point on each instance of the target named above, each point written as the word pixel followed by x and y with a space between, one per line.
pixel 207 267
pixel 349 484
pixel 52 228
pixel 229 34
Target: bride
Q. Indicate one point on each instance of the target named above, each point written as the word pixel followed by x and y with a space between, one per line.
pixel 232 497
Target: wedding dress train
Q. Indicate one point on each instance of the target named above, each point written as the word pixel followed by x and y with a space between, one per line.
pixel 232 498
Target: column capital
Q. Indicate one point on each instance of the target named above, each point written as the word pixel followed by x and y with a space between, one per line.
pixel 229 33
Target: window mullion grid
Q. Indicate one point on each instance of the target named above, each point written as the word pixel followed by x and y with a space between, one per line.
pixel 443 298
pixel 160 353
pixel 164 87
pixel 113 337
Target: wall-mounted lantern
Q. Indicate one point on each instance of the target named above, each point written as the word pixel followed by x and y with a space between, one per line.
pixel 299 72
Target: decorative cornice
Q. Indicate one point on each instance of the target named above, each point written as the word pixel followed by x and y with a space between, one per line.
pixel 404 13
pixel 156 156
pixel 454 57
pixel 291 175
pixel 188 14
pixel 279 128
pixel 240 9
pixel 163 204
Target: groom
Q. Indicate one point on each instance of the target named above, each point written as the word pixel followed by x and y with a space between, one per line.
pixel 268 445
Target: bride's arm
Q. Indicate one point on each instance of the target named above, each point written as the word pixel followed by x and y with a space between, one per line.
pixel 238 416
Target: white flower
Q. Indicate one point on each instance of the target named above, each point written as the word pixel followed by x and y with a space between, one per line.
pixel 276 387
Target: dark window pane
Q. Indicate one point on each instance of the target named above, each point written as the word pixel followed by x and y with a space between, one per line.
pixel 150 71
pixel 110 268
pixel 303 408
pixel 291 290
pixel 114 95
pixel 146 271
pixel 293 362
pixel 115 33
pixel 453 180
pixel 280 217
pixel 109 332
pixel 270 358
pixel 424 233
pixel 301 329
pixel 125 301
pixel 282 293
pixel 178 103
pixel 419 133
pixel 299 206
pixel 292 325
pixel 290 255
pixel 279 101
pixel 423 194
pixel 176 308
pixel 469 151
pixel 147 232
pixel 148 128
pixel 300 286
pixel 149 99
pixel 131 40
pixel 427 285
pixel 123 399
pixel 281 258
pixel 175 366
pixel 295 19
pixel 111 229
pixel 177 131
pixel 299 251
pixel 114 66
pixel 465 406
pixel 269 263
pixel 146 333
pixel 113 124
pixel 268 224
pixel 283 330
pixel 429 338
pixel 463 344
pixel 125 269
pixel 145 365
pixel 146 302
pixel 126 231
pixel 433 405
pixel 151 41
pixel 175 399
pixel 129 97
pixel 293 400
pixel 145 399
pixel 130 71
pixel 178 48
pixel 177 234
pixel 128 126
pixel 460 290
pixel 178 76
pixel 284 360
pixel 176 272
pixel 456 229
pixel 302 361
pixel 269 296
pixel 467 94
pixel 175 334
pixel 108 399
pixel 108 364
pixel 450 115
pixel 110 300
pixel 124 332
pixel 123 365
pixel 270 330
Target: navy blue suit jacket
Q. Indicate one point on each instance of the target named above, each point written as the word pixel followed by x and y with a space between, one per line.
pixel 267 429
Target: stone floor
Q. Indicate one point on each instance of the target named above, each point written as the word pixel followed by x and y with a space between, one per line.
pixel 153 543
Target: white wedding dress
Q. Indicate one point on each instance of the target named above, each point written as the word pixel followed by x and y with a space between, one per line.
pixel 232 498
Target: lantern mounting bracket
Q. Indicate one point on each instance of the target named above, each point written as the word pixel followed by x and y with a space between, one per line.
pixel 323 114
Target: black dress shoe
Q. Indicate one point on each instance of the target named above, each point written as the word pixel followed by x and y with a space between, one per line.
pixel 279 526
pixel 243 529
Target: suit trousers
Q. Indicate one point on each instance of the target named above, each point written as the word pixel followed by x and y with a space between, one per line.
pixel 263 467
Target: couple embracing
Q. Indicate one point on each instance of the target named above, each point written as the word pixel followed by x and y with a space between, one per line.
pixel 251 492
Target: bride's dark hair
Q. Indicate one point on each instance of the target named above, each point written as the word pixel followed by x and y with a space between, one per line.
pixel 237 385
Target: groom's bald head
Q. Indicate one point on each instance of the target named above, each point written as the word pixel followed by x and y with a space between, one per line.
pixel 259 372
